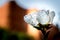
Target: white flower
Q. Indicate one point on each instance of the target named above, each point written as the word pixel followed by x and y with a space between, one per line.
pixel 31 19
pixel 42 17
pixel 51 15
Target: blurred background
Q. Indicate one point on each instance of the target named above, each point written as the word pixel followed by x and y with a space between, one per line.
pixel 11 18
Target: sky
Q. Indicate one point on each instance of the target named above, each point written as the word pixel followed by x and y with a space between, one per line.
pixel 35 3
pixel 2 2
pixel 39 4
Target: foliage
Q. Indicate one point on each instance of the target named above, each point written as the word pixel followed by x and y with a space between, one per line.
pixel 7 35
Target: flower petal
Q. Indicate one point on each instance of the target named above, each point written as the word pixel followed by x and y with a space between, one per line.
pixel 31 19
pixel 42 17
pixel 51 15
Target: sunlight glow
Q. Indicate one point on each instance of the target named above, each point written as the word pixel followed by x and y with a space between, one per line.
pixel 34 32
pixel 31 30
